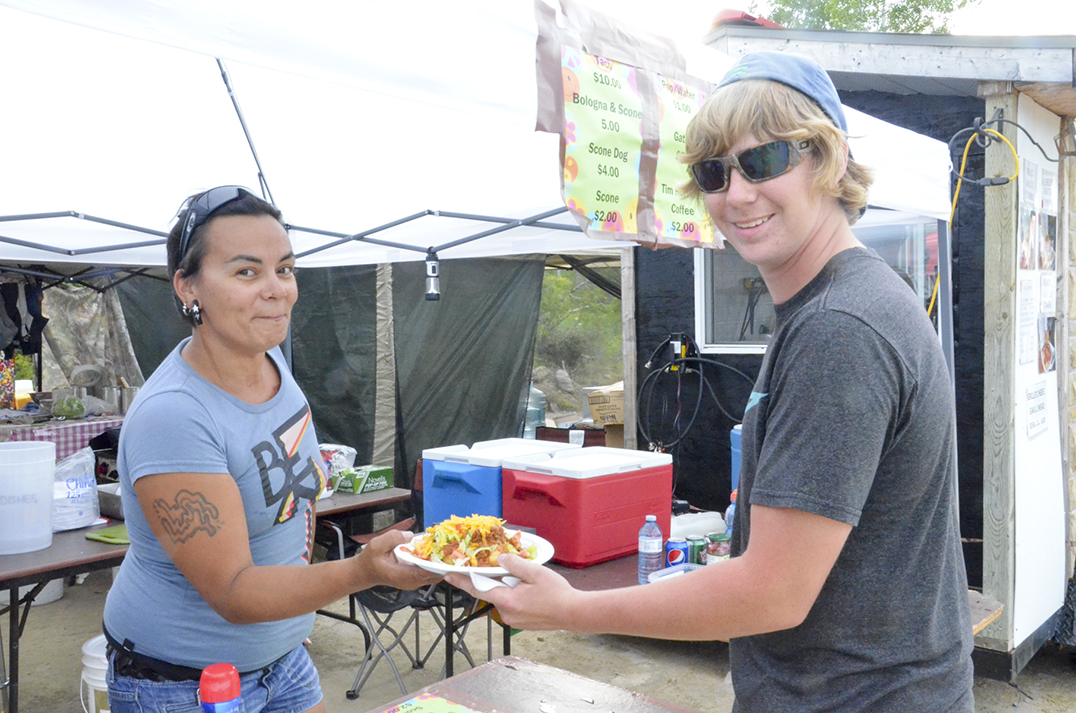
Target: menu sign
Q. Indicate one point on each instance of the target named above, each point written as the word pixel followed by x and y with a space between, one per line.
pixel 675 216
pixel 603 140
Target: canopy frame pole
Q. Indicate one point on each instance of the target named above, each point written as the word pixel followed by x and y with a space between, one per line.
pixel 495 219
pixel 500 229
pixel 262 182
pixel 362 237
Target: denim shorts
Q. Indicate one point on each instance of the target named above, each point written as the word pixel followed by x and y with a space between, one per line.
pixel 290 685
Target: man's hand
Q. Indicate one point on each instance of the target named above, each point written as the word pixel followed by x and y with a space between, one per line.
pixel 542 601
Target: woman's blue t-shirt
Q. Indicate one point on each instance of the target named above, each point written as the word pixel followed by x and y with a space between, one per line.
pixel 181 423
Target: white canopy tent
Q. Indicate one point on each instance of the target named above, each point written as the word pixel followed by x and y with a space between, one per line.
pixel 362 115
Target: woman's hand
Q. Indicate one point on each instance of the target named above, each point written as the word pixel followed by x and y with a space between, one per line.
pixel 542 601
pixel 382 567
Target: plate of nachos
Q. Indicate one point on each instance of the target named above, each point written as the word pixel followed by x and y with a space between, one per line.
pixel 472 544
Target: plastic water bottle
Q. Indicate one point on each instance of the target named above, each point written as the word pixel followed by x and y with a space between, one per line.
pixel 730 514
pixel 651 549
pixel 536 403
pixel 219 689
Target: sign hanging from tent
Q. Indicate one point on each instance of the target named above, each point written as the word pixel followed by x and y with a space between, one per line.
pixel 622 114
pixel 675 216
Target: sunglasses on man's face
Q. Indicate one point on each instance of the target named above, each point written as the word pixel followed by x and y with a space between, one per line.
pixel 756 164
pixel 203 207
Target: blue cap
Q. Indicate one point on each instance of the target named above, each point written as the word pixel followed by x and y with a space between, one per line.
pixel 795 70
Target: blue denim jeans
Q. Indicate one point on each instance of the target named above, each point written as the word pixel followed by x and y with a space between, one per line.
pixel 290 685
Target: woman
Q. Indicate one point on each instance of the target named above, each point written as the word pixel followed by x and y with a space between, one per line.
pixel 219 467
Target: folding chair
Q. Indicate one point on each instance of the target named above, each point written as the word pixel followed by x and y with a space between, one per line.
pixel 456 612
pixel 373 610
pixel 377 606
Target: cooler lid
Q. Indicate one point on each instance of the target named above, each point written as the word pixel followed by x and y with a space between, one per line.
pixel 443 451
pixel 490 454
pixel 502 442
pixel 588 462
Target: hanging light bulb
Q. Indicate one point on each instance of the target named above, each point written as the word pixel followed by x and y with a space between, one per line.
pixel 433 277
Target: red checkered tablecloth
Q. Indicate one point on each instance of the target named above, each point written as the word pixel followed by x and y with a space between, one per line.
pixel 69 436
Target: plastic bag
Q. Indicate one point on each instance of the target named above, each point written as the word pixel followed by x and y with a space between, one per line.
pixel 337 459
pixel 100 407
pixel 74 492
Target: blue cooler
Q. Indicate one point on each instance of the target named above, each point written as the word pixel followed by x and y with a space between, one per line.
pixel 457 480
pixel 737 431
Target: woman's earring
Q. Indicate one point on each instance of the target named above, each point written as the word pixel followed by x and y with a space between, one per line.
pixel 194 311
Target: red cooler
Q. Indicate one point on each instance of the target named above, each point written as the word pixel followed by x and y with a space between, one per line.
pixel 589 503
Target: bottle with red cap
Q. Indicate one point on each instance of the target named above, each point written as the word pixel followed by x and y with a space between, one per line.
pixel 218 689
pixel 730 513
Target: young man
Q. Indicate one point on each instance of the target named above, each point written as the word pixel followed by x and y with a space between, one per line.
pixel 847 589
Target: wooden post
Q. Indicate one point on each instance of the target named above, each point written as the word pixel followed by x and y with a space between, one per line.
pixel 1000 318
pixel 384 450
pixel 1066 245
pixel 627 318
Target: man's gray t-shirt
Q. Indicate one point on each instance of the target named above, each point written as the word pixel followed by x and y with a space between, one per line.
pixel 852 418
pixel 182 423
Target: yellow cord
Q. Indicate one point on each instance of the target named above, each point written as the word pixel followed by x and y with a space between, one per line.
pixel 956 194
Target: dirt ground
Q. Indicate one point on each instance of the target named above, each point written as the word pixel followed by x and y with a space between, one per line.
pixel 687 673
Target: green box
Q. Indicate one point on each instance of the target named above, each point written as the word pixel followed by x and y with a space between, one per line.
pixel 365 479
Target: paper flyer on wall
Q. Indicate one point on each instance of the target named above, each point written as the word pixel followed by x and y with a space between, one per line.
pixel 1037 409
pixel 1036 267
pixel 1027 321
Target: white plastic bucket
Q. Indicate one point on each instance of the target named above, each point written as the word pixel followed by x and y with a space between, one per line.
pixel 26 474
pixel 93 685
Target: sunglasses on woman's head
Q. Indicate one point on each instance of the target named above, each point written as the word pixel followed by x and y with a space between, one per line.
pixel 204 206
pixel 756 164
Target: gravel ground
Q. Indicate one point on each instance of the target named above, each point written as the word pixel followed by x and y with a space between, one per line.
pixel 687 673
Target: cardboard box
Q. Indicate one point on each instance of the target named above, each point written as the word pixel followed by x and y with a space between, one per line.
pixel 614 435
pixel 607 404
pixel 364 479
pixel 584 435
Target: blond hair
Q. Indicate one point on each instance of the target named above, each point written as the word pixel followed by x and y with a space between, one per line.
pixel 772 111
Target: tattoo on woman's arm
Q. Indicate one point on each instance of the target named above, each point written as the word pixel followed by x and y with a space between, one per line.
pixel 190 513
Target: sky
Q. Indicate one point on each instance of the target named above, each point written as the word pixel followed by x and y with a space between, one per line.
pixel 689 20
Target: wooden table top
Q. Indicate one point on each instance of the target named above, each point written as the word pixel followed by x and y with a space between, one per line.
pixel 70 553
pixel 612 574
pixel 339 502
pixel 515 685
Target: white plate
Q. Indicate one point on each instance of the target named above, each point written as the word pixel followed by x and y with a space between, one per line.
pixel 545 553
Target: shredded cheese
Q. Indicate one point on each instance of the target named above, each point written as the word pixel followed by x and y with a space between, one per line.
pixel 475 541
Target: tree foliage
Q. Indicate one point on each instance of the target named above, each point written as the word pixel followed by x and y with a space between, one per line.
pixel 910 16
pixel 24 366
pixel 579 329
